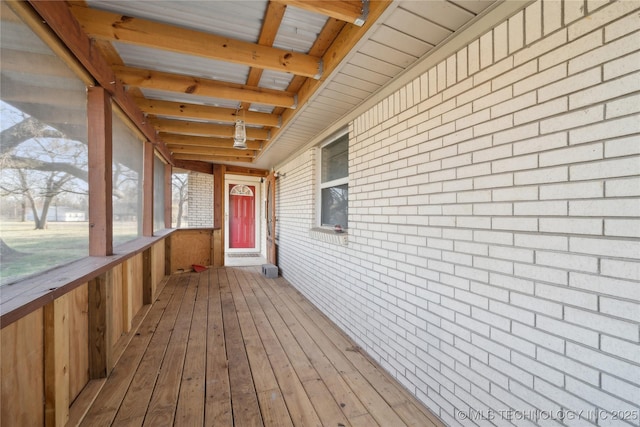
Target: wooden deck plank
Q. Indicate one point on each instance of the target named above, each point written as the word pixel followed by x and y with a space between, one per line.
pixel 272 405
pixel 246 410
pixel 394 394
pixel 367 395
pixel 190 409
pixel 300 407
pixel 106 405
pixel 136 400
pixel 374 399
pixel 342 393
pixel 162 406
pixel 229 347
pixel 218 410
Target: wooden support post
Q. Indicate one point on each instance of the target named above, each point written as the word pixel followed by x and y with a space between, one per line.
pixel 168 268
pixel 100 179
pixel 128 278
pixel 217 249
pixel 56 361
pixel 218 196
pixel 147 276
pixel 100 313
pixel 217 238
pixel 167 195
pixel 147 190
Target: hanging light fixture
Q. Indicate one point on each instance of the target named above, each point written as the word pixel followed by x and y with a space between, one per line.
pixel 240 132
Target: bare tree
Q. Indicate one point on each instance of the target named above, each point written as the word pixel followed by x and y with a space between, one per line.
pixel 180 184
pixel 38 163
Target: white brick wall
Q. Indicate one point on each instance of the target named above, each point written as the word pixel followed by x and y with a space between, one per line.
pixel 200 200
pixel 493 261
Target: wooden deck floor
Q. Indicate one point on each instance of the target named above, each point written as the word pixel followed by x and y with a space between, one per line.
pixel 230 347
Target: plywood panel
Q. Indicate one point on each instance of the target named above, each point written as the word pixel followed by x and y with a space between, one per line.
pixel 78 340
pixel 190 247
pixel 157 265
pixel 131 290
pixel 56 361
pixel 117 327
pixel 21 344
pixel 217 248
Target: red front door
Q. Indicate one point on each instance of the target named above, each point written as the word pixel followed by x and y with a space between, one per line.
pixel 242 216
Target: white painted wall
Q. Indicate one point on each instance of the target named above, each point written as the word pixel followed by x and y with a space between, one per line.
pixel 493 261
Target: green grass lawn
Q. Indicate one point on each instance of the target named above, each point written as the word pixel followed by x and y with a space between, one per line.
pixel 40 250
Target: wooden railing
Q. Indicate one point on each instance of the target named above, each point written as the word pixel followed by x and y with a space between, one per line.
pixel 59 343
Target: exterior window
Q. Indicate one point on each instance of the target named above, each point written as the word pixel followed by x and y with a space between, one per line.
pixel 43 156
pixel 127 182
pixel 334 183
pixel 158 194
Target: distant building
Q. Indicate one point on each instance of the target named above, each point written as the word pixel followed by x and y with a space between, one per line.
pixel 62 214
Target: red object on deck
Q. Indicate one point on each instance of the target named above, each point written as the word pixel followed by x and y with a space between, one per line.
pixel 198 268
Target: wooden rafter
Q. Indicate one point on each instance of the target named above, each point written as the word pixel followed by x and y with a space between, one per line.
pixel 328 34
pixel 204 112
pixel 191 124
pixel 214 159
pixel 124 29
pixel 339 48
pixel 227 152
pixel 351 11
pixel 205 129
pixel 271 23
pixel 62 23
pixel 176 140
pixel 158 80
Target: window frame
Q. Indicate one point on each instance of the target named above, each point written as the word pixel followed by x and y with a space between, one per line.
pixel 329 184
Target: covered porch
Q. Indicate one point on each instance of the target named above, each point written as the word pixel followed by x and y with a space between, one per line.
pixel 230 347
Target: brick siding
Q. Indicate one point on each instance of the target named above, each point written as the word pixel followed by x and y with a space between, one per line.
pixel 493 262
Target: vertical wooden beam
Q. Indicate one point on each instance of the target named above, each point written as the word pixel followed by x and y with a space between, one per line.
pixel 218 196
pixel 100 179
pixel 217 238
pixel 128 278
pixel 167 195
pixel 168 268
pixel 147 191
pixel 56 361
pixel 100 313
pixel 147 276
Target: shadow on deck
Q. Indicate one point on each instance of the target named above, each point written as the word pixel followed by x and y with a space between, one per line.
pixel 229 347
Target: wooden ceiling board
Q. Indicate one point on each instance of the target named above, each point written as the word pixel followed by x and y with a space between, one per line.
pixel 196 62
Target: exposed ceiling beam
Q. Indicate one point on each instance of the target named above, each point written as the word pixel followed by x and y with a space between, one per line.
pixel 65 26
pixel 149 79
pixel 173 140
pixel 205 112
pixel 125 29
pixel 270 25
pixel 214 159
pixel 327 35
pixel 204 129
pixel 352 11
pixel 227 152
pixel 341 46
